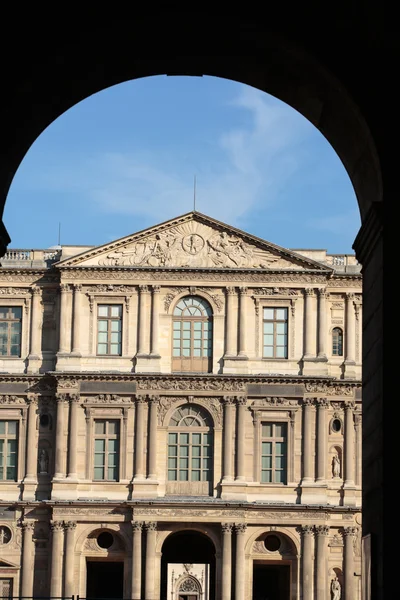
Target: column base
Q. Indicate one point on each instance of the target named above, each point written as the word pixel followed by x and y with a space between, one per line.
pixel 29 489
pixel 34 364
pixel 147 363
pixel 349 494
pixel 313 365
pixel 233 490
pixel 144 488
pixel 235 364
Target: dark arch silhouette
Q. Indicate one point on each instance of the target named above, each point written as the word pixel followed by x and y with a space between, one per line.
pixel 187 546
pixel 328 66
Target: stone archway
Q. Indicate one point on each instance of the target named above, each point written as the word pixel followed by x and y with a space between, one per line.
pixel 188 565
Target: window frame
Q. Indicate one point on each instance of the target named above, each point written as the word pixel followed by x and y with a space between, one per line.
pixel 206 361
pixel 202 429
pixel 274 440
pixel 6 437
pixel 267 414
pixel 106 437
pixel 11 307
pixel 109 318
pixel 275 306
pixel 337 328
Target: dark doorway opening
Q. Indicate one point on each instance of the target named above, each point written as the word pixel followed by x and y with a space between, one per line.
pixel 187 547
pixel 105 579
pixel 271 582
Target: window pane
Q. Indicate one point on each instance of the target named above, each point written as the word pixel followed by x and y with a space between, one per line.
pixel 268 328
pixel 280 353
pixel 115 337
pixel 280 429
pixel 116 310
pixel 113 446
pixel 113 427
pixel 268 352
pixel 196 463
pixel 99 445
pixel 266 462
pixel 281 328
pixel 186 352
pixel 196 438
pixel 186 325
pixel 184 451
pixel 172 476
pixel 183 476
pixel 100 426
pixel 102 325
pixel 172 463
pixel 112 474
pixel 197 326
pixel 98 473
pixel 176 352
pixel 267 430
pixel 102 338
pixel 177 335
pixel 280 477
pixel 268 313
pixel 102 310
pixel 173 438
pixel 2 428
pixel 115 349
pixel 116 325
pixel 195 475
pixel 266 477
pixel 281 313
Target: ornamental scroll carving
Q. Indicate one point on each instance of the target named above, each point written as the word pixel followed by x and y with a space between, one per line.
pixel 328 389
pixel 194 244
pixel 212 404
pixel 275 291
pixel 191 384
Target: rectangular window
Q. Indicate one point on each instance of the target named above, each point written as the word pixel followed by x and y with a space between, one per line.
pixel 189 456
pixel 109 329
pixel 8 450
pixel 275 333
pixel 274 453
pixel 10 330
pixel 106 450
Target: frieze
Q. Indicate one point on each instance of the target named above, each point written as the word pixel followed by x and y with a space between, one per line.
pixel 188 512
pixel 191 384
pixel 275 291
pixel 261 276
pixel 62 511
pixel 15 275
pixel 107 399
pixel 11 400
pixel 330 389
pixel 10 291
pixel 103 288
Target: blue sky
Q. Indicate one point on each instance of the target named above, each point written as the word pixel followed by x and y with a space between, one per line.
pixel 125 159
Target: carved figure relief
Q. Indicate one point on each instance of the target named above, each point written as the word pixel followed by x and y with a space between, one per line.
pixel 194 244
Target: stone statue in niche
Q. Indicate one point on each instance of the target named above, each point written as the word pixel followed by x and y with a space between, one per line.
pixel 336 589
pixel 5 535
pixel 43 461
pixel 336 466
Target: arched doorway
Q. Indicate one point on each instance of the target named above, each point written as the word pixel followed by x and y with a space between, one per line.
pixel 188 567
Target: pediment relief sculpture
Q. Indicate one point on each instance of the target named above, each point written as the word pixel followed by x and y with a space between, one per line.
pixel 193 242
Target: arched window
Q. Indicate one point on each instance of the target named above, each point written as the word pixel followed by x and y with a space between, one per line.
pixel 192 335
pixel 337 342
pixel 190 448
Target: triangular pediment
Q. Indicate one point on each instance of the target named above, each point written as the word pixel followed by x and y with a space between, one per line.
pixel 193 241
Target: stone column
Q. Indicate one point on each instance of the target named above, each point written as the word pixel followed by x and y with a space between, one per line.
pixel 242 321
pixel 323 405
pixel 137 528
pixel 69 559
pixel 322 323
pixel 358 434
pixel 309 341
pixel 350 330
pixel 151 533
pixel 240 529
pixel 153 438
pixel 240 438
pixel 349 444
pixel 307 570
pixel 155 317
pixel 36 330
pixel 76 320
pixel 64 343
pixel 230 336
pixel 228 433
pixel 28 555
pixel 307 448
pixel 73 436
pixel 31 440
pixel 226 561
pixel 59 450
pixel 348 571
pixel 143 345
pixel 321 565
pixel 139 438
pixel 57 528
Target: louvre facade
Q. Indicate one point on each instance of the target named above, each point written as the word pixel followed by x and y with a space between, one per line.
pixel 180 417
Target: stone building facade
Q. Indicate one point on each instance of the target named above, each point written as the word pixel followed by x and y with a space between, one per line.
pixel 180 417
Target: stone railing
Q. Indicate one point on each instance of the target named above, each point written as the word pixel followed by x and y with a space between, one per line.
pixel 18 257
